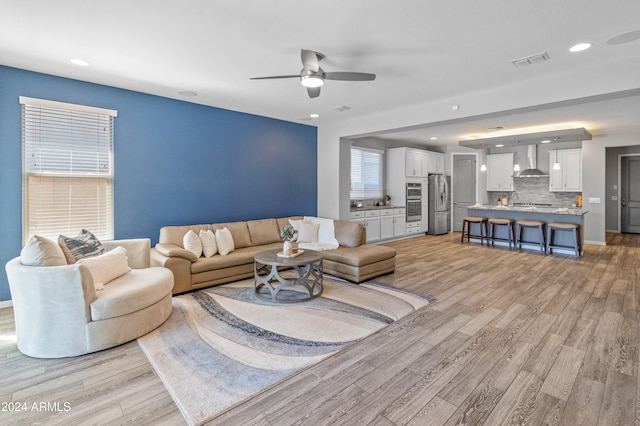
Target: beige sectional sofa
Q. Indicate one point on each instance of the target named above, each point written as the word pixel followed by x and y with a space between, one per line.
pixel 353 260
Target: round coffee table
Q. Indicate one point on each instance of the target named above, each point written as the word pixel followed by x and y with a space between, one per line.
pixel 269 284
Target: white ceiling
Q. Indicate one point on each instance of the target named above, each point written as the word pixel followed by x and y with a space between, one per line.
pixel 420 50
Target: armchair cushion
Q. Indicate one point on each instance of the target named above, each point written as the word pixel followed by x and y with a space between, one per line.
pixel 41 251
pixel 107 266
pixel 131 292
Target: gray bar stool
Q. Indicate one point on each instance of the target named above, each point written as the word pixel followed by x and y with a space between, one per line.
pixel 561 226
pixel 482 221
pixel 524 223
pixel 498 221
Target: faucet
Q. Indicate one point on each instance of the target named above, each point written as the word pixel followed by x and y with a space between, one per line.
pixel 513 195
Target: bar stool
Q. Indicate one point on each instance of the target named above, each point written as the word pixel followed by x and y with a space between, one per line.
pixel 561 226
pixel 467 221
pixel 498 221
pixel 523 223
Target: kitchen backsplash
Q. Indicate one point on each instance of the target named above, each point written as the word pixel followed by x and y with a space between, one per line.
pixel 536 190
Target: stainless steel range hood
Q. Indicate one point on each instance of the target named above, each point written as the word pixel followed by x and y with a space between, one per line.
pixel 532 171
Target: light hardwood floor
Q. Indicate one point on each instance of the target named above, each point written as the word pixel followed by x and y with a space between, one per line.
pixel 513 338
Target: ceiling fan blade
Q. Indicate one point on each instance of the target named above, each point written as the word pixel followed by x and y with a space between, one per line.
pixel 313 92
pixel 275 76
pixel 350 76
pixel 310 60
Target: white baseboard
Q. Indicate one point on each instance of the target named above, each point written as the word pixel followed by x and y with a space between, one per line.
pixel 6 304
pixel 597 243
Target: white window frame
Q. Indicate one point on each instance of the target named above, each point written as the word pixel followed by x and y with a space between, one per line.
pixel 67 168
pixel 359 188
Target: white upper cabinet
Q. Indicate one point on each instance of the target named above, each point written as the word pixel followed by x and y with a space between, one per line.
pixel 569 177
pixel 413 163
pixel 500 172
pixel 432 162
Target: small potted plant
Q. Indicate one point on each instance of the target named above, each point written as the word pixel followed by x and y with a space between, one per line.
pixel 387 200
pixel 287 233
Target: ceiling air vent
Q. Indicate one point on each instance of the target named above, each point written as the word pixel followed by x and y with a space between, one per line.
pixel 340 108
pixel 530 60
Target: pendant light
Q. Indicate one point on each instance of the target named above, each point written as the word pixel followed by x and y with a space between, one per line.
pixel 483 167
pixel 556 165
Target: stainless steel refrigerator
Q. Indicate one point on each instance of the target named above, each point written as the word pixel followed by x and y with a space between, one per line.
pixel 439 208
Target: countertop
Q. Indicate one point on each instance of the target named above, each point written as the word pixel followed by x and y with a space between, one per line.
pixel 362 209
pixel 547 210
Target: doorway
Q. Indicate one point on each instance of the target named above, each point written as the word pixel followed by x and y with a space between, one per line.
pixel 463 182
pixel 630 194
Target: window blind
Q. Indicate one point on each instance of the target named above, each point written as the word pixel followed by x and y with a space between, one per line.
pixel 366 173
pixel 67 169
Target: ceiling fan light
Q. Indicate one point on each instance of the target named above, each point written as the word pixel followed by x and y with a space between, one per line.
pixel 311 81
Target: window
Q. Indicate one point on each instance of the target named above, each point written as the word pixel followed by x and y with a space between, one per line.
pixel 67 169
pixel 366 173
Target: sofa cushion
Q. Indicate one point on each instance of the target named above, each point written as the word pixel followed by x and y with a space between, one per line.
pixel 41 251
pixel 242 256
pixel 107 266
pixel 264 231
pixel 175 234
pixel 84 245
pixel 132 292
pixel 286 221
pixel 239 232
pixel 307 232
pixel 348 234
pixel 191 242
pixel 361 255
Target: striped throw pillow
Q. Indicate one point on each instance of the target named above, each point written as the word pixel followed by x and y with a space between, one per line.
pixel 84 245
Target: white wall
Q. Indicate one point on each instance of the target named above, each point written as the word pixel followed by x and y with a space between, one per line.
pixel 333 168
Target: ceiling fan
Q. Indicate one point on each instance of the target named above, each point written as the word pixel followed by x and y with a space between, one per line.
pixel 312 76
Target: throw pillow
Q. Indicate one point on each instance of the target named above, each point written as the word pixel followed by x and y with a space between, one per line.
pixel 192 243
pixel 107 267
pixel 224 240
pixel 296 225
pixel 84 245
pixel 209 245
pixel 41 251
pixel 308 232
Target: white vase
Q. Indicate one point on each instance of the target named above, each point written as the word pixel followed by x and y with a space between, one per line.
pixel 286 248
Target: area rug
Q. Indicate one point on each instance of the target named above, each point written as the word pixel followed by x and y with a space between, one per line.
pixel 223 345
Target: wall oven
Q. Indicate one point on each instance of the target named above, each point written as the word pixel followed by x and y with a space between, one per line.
pixel 414 202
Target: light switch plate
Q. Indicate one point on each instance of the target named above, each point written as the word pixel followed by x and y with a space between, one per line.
pixel 614 198
pixel 594 200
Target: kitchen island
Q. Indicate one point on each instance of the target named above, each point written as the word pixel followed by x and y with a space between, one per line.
pixel 530 236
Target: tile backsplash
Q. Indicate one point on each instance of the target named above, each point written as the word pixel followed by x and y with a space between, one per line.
pixel 536 190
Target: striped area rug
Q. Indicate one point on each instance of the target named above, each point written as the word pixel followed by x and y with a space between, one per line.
pixel 222 345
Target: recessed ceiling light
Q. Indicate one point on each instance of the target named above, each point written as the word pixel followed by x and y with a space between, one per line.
pixel 80 62
pixel 545 141
pixel 433 138
pixel 314 115
pixel 579 47
pixel 187 93
pixel 499 145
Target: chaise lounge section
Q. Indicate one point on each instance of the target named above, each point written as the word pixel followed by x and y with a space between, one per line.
pixel 353 260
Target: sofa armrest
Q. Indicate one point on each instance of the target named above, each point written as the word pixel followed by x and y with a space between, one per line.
pixel 179 266
pixel 171 250
pixel 138 250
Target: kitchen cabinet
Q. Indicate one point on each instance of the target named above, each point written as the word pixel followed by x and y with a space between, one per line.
pixel 413 163
pixel 413 228
pixel 432 162
pixel 386 224
pixel 370 219
pixel 569 177
pixel 399 222
pixel 500 172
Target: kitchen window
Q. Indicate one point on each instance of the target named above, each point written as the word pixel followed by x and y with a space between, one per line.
pixel 67 166
pixel 366 173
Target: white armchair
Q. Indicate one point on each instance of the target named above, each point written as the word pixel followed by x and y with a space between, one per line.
pixel 58 312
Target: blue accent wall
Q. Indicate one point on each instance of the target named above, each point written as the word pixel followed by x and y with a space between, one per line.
pixel 175 162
